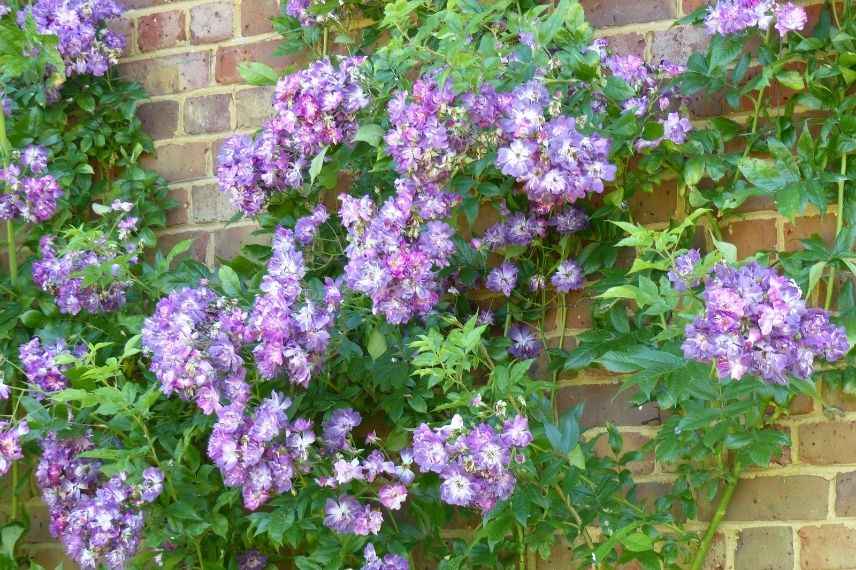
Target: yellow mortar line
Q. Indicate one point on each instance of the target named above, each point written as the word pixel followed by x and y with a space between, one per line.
pixel 190 48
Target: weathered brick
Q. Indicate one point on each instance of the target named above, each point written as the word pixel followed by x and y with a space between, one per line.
pixel 627 43
pixel 228 59
pixel 801 497
pixel 212 22
pixel 690 6
pixel 656 206
pixel 677 44
pixel 828 443
pixel 751 236
pixel 161 30
pixel 839 399
pixel 178 215
pixel 180 162
pixel 828 547
pixel 606 13
pixel 845 494
pixel 603 403
pixel 256 16
pixel 804 228
pixel 160 119
pixel 228 242
pixel 765 548
pixel 253 106
pixel 172 74
pixel 579 306
pixel 207 114
pixel 198 250
pixel 632 442
pixel 210 204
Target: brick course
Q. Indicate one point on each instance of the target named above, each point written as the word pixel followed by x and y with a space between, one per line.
pixel 186 54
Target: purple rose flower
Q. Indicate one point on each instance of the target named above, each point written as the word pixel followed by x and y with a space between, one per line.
pixel 503 279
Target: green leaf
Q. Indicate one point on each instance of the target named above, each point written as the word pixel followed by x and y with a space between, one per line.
pixel 578 458
pixel 32 319
pixel 728 250
pixel 230 281
pixel 814 276
pixel 637 542
pixel 9 536
pixel 371 134
pixel 256 73
pixel 766 174
pixel 791 80
pixel 694 170
pixel 317 164
pixel 376 345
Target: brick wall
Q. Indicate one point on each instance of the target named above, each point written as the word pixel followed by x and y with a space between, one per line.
pixel 798 514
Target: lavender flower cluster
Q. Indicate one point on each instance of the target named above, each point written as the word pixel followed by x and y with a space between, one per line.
pixel 474 464
pixel 315 107
pixel 30 194
pixel 98 521
pixel 304 12
pixel 394 253
pixel 291 334
pixel 40 367
pixel 59 271
pixel 681 274
pixel 388 562
pixel 10 444
pixel 728 17
pixel 86 44
pixel 756 322
pixel 194 338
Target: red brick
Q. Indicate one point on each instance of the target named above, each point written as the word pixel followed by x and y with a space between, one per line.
pixel 691 6
pixel 253 106
pixel 656 206
pixel 604 402
pixel 211 22
pixel 627 43
pixel 180 162
pixel 228 59
pixel 751 236
pixel 207 114
pixel 172 74
pixel 677 44
pixel 256 16
pixel 804 228
pixel 800 497
pixel 828 547
pixel 228 242
pixel 198 250
pixel 161 30
pixel 160 119
pixel 845 494
pixel 210 204
pixel 178 215
pixel 579 307
pixel 828 443
pixel 606 13
pixel 765 548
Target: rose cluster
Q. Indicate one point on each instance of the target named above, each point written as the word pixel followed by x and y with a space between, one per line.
pixel 394 253
pixel 60 270
pixel 681 274
pixel 315 107
pixel 756 322
pixel 260 451
pixel 86 44
pixel 303 12
pixel 292 333
pixel 30 193
pixel 98 521
pixel 728 17
pixel 194 338
pixel 388 562
pixel 10 444
pixel 474 464
pixel 38 362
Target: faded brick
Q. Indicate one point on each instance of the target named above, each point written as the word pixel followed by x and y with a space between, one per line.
pixel 211 22
pixel 173 74
pixel 178 215
pixel 207 114
pixel 210 204
pixel 604 402
pixel 801 497
pixel 160 119
pixel 751 236
pixel 161 30
pixel 228 59
pixel 632 442
pixel 765 548
pixel 839 399
pixel 828 547
pixel 804 228
pixel 677 44
pixel 253 106
pixel 180 162
pixel 606 13
pixel 256 16
pixel 828 443
pixel 628 43
pixel 198 250
pixel 845 494
pixel 228 242
pixel 656 206
pixel 579 307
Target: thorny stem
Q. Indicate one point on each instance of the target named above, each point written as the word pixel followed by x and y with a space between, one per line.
pixel 839 225
pixel 718 516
